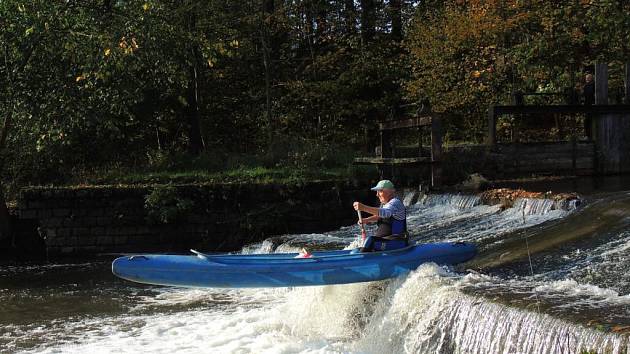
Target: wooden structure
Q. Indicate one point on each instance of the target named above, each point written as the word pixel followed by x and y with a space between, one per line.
pixel 610 136
pixel 604 150
pixel 388 162
pixel 572 157
pixel 495 111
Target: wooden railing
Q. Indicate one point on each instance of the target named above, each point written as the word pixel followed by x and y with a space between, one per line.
pixel 495 111
pixel 386 150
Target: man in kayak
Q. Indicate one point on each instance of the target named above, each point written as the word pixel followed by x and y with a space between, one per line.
pixel 391 218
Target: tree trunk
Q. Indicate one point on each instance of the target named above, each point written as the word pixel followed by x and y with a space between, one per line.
pixel 5 219
pixel 350 14
pixel 267 65
pixel 267 46
pixel 368 21
pixel 321 21
pixel 396 16
pixel 195 143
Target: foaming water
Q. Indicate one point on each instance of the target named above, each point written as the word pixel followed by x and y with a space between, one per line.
pixel 432 310
pixel 424 313
pixel 457 200
pixel 429 314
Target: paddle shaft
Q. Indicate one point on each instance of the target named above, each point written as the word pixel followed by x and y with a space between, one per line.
pixel 363 234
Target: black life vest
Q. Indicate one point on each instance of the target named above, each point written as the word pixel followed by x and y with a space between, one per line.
pixel 391 228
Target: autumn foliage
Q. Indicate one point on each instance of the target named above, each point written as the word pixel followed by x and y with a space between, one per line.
pixel 467 55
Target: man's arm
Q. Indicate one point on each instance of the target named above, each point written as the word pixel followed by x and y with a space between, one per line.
pixel 368 209
pixel 371 219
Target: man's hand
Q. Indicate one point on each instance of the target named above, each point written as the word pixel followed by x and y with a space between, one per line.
pixel 357 206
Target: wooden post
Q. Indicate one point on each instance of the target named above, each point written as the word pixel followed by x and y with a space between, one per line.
pixel 419 141
pixel 492 127
pixel 574 154
pixel 601 83
pixel 600 122
pixel 436 151
pixel 386 144
pixel 385 170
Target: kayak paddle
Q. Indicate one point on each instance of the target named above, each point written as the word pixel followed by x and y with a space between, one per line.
pixel 363 234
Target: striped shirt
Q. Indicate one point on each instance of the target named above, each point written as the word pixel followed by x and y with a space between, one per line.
pixel 393 208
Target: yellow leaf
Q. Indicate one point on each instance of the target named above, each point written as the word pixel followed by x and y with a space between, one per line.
pixel 146 6
pixel 210 63
pixel 79 78
pixel 29 30
pixel 107 51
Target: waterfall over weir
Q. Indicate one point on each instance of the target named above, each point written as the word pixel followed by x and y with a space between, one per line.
pixel 458 200
pixel 428 314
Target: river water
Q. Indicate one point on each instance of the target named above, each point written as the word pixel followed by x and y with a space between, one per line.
pixel 574 295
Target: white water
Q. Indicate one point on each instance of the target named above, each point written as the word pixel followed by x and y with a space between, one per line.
pixel 433 310
pixel 424 313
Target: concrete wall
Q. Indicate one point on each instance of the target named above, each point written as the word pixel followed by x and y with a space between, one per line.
pixel 79 221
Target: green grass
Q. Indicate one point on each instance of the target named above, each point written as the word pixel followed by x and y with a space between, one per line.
pixel 284 164
pixel 256 174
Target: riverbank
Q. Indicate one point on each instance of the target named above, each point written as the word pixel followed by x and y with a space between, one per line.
pixel 80 221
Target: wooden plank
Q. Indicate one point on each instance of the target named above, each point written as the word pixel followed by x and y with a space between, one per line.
pixel 528 155
pixel 531 153
pixel 419 132
pixel 436 152
pixel 386 145
pixel 537 157
pixel 492 127
pixel 546 146
pixel 555 164
pixel 560 108
pixel 391 161
pixel 573 153
pixel 406 123
pixel 613 143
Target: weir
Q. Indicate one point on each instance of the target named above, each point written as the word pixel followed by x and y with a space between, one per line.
pixel 562 308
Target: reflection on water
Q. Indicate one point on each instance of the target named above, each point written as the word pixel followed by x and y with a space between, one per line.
pixel 574 297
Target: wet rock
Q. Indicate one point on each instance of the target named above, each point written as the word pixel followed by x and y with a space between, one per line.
pixel 475 182
pixel 507 196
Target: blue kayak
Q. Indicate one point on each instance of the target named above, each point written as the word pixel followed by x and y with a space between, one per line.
pixel 283 270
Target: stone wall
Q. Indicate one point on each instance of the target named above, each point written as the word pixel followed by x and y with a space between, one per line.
pixel 91 220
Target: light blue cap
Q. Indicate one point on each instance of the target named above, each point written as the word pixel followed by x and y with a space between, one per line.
pixel 383 184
